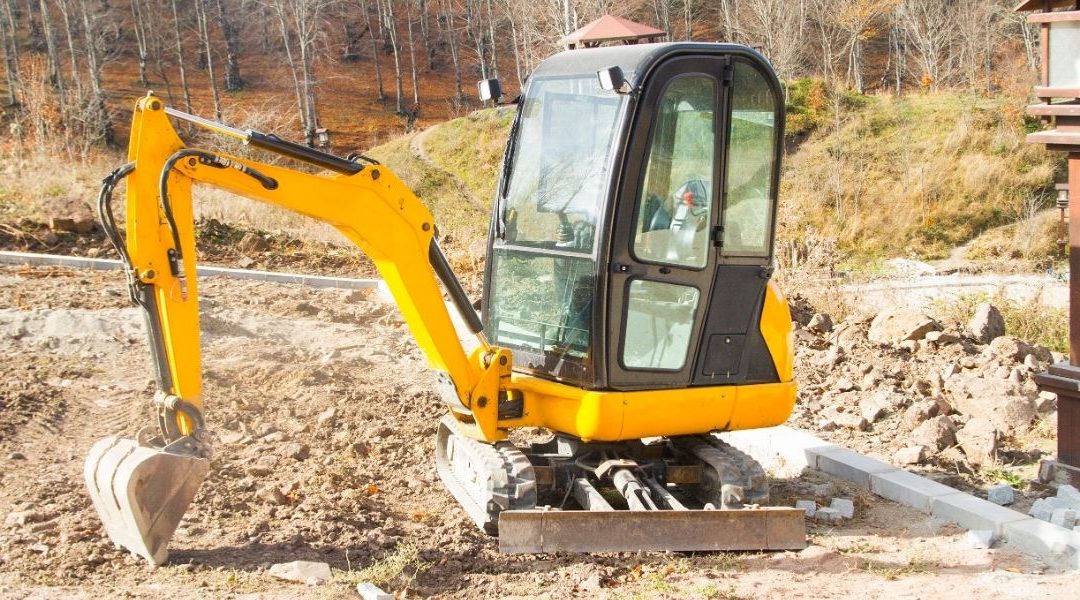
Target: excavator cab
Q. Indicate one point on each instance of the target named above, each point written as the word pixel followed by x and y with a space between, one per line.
pixel 631 244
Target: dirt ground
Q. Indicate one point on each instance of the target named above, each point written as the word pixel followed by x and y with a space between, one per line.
pixel 322 395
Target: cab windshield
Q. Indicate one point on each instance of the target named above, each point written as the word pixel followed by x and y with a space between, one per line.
pixel 559 175
pixel 543 276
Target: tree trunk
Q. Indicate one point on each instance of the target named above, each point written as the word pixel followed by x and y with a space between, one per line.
pixel 204 33
pixel 514 42
pixel 55 76
pixel 412 62
pixel 425 33
pixel 141 39
pixel 70 35
pixel 491 41
pixel 292 69
pixel 11 52
pixel 99 124
pixel 476 32
pixel 391 29
pixel 374 49
pixel 180 57
pixel 233 81
pixel 451 34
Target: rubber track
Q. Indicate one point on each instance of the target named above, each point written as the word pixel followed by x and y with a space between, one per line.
pixel 486 479
pixel 731 466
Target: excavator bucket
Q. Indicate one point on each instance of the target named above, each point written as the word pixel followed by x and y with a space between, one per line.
pixel 141 492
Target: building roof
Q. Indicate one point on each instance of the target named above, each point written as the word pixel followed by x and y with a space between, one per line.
pixel 1038 5
pixel 610 28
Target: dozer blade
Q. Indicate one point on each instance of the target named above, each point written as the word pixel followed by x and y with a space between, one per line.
pixel 141 492
pixel 538 531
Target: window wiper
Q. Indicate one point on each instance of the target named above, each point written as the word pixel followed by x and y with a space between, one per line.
pixel 508 160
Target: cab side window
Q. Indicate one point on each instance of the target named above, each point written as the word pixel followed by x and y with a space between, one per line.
pixel 674 210
pixel 751 162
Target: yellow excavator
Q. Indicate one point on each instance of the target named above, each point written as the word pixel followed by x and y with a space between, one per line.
pixel 628 308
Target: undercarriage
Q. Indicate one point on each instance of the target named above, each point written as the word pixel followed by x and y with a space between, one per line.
pixel 682 493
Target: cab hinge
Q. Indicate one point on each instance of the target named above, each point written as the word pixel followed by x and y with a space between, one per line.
pixel 718 236
pixel 728 74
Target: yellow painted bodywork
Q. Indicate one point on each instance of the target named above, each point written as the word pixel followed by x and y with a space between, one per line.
pixel 383 217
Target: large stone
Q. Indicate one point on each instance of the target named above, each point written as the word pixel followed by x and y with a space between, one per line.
pixel 937 433
pixel 820 323
pixel 253 242
pixel 987 323
pixel 808 505
pixel 993 400
pixel 1001 494
pixel 896 325
pixel 851 421
pixel 304 571
pixel 844 506
pixel 912 455
pixel 369 591
pixel 980 539
pixel 979 440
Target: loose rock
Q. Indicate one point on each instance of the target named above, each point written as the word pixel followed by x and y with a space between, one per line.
pixel 844 506
pixel 987 323
pixel 912 455
pixel 979 538
pixel 979 440
pixel 311 573
pixel 808 505
pixel 820 323
pixel 937 433
pixel 828 515
pixel 895 326
pixel 1001 494
pixel 369 591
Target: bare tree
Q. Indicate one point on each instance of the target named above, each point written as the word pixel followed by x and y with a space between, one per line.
pixel 928 26
pixel 451 36
pixel 204 36
pixel 412 59
pixel 374 48
pixel 476 31
pixel 140 24
pixel 98 125
pixel 180 56
pixel 231 34
pixel 11 50
pixel 301 20
pixel 389 23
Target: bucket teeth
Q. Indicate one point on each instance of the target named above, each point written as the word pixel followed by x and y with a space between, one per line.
pixel 141 492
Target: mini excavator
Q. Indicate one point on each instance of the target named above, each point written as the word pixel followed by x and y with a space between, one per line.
pixel 629 307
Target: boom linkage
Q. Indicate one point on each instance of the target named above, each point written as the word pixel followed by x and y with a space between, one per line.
pixel 366 203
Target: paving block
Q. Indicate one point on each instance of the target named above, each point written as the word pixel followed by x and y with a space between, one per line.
pixel 844 506
pixel 368 591
pixel 1051 542
pixel 970 512
pixel 1063 517
pixel 909 489
pixel 808 505
pixel 1001 494
pixel 849 465
pixel 1069 494
pixel 828 515
pixel 1044 508
pixel 979 539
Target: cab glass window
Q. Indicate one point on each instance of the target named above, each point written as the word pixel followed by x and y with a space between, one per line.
pixel 659 320
pixel 750 164
pixel 674 210
pixel 559 178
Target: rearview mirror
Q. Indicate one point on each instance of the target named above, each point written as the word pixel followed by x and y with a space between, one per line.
pixel 489 90
pixel 612 79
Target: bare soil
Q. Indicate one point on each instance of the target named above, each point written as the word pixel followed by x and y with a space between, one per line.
pixel 361 490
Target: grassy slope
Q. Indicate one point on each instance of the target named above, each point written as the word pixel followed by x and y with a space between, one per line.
pixel 916 176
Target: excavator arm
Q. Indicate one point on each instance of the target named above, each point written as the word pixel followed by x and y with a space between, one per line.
pixel 142 488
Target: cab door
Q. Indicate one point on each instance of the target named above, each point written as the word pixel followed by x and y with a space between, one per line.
pixel 694 226
pixel 666 221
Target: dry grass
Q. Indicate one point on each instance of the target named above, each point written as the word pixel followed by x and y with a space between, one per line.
pixel 915 176
pixel 1033 321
